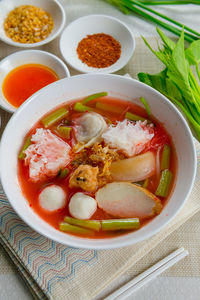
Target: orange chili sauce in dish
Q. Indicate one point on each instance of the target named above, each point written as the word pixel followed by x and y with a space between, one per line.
pixel 25 80
pixel 32 190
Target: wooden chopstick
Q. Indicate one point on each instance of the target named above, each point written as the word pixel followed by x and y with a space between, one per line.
pixel 133 285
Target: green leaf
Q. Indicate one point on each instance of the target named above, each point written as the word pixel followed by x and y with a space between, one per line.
pixel 192 53
pixel 162 84
pixel 178 70
pixel 167 41
pixel 162 54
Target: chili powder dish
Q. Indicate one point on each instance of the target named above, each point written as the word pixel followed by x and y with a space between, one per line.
pixel 99 50
pixel 25 80
pixel 97 167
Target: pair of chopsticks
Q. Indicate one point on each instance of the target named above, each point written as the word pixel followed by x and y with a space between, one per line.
pixel 133 285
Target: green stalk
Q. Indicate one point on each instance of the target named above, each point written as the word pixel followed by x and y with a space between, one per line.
pixel 164 184
pixel 54 117
pixel 120 224
pixel 63 173
pixel 78 106
pixel 188 115
pixel 75 229
pixel 165 157
pixel 108 107
pixel 165 17
pixel 133 117
pixel 26 145
pixel 146 105
pixel 64 131
pixel 170 2
pixel 94 96
pixel 174 30
pixel 89 224
pixel 192 77
pixel 197 70
pixel 128 4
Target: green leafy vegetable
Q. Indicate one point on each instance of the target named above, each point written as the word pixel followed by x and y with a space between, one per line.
pixel 177 81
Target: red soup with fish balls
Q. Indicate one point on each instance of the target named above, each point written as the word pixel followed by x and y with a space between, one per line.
pixel 97 167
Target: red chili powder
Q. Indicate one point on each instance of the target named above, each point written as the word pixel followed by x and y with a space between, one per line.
pixel 99 50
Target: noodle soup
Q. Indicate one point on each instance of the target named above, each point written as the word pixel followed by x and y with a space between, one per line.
pixel 97 167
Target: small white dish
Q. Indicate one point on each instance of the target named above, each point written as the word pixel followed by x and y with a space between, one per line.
pixel 89 25
pixel 29 57
pixel 51 6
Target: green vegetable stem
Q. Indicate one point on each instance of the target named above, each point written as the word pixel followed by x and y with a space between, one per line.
pixel 133 117
pixel 141 8
pixel 146 105
pixel 165 157
pixel 120 224
pixel 63 173
pixel 54 117
pixel 89 224
pixel 26 145
pixel 78 106
pixel 108 107
pixel 94 96
pixel 169 2
pixel 164 184
pixel 98 225
pixel 64 131
pixel 75 229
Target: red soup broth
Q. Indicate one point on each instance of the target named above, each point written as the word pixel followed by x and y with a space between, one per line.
pixel 32 190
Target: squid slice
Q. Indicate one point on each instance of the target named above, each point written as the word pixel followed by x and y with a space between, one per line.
pixel 134 169
pixel 127 200
pixel 90 127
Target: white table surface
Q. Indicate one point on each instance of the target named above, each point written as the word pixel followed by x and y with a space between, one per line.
pixel 163 288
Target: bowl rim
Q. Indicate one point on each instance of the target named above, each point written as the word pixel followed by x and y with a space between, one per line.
pixel 112 68
pixel 82 242
pixel 50 38
pixel 28 52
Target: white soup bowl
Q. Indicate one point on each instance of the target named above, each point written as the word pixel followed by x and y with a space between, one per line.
pixel 76 87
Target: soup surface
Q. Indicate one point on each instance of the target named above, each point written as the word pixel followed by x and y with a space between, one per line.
pixel 97 167
pixel 25 80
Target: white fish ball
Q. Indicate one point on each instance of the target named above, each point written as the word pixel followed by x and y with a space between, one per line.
pixel 82 206
pixel 52 198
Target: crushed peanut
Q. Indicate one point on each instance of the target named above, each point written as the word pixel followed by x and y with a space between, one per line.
pixel 28 24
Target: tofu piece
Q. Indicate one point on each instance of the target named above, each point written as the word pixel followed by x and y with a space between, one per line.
pixel 46 155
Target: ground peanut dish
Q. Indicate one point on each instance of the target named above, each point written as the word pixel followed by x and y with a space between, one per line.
pixel 28 24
